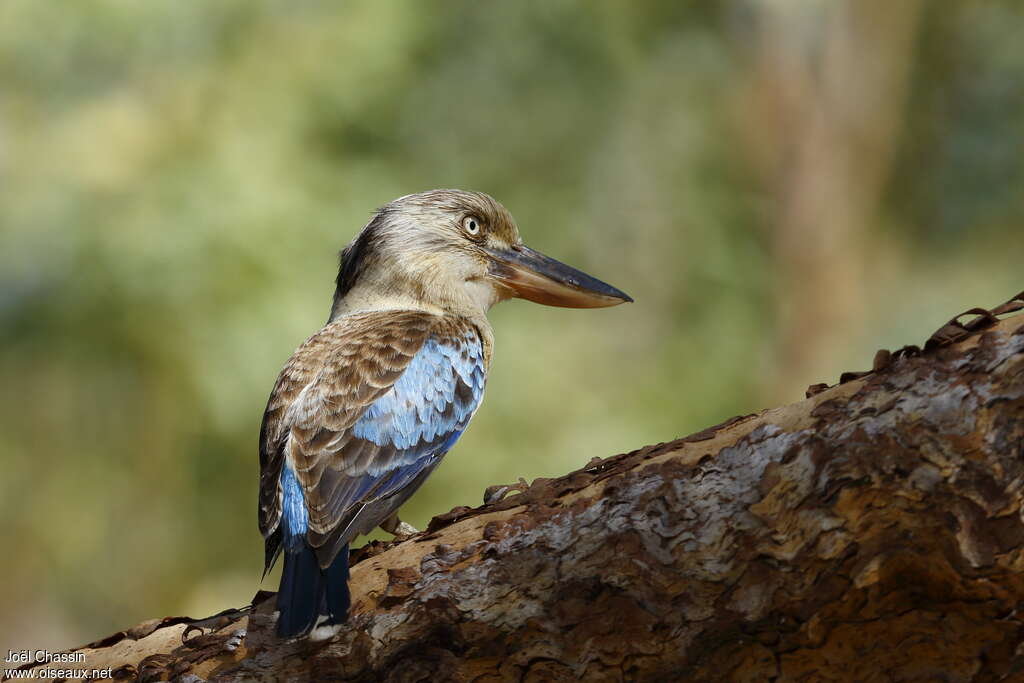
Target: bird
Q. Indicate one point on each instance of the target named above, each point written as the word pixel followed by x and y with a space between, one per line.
pixel 366 408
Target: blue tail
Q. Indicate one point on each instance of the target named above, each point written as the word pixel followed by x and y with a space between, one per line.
pixel 310 596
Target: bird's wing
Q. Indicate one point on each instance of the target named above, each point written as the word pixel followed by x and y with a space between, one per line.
pixel 316 360
pixel 393 394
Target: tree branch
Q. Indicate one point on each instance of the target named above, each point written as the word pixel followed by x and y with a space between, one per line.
pixel 872 529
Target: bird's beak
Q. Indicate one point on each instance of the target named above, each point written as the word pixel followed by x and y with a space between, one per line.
pixel 531 275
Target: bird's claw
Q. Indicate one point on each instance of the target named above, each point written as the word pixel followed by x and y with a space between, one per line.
pixel 233 643
pixel 396 527
pixel 216 622
pixel 492 494
pixel 404 529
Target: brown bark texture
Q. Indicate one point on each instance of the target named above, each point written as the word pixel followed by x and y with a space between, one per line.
pixel 871 532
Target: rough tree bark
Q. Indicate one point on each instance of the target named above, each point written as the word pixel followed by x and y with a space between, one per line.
pixel 871 532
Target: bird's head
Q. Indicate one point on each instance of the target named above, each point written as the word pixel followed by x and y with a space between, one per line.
pixel 457 251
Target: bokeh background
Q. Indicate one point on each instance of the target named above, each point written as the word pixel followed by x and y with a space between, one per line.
pixel 784 187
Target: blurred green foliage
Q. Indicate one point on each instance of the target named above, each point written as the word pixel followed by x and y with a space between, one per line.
pixel 176 179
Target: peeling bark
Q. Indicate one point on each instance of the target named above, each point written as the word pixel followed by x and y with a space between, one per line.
pixel 871 532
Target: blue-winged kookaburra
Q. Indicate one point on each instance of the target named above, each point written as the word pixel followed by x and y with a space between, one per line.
pixel 366 408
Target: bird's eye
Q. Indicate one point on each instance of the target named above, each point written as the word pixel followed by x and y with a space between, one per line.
pixel 471 224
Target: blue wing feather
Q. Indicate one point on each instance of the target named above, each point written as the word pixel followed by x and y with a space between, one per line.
pixel 417 421
pixel 423 404
pixel 295 516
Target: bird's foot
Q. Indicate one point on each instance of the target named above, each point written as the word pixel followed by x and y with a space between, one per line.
pixel 396 527
pixel 492 494
pixel 324 629
pixel 217 622
pixel 235 640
